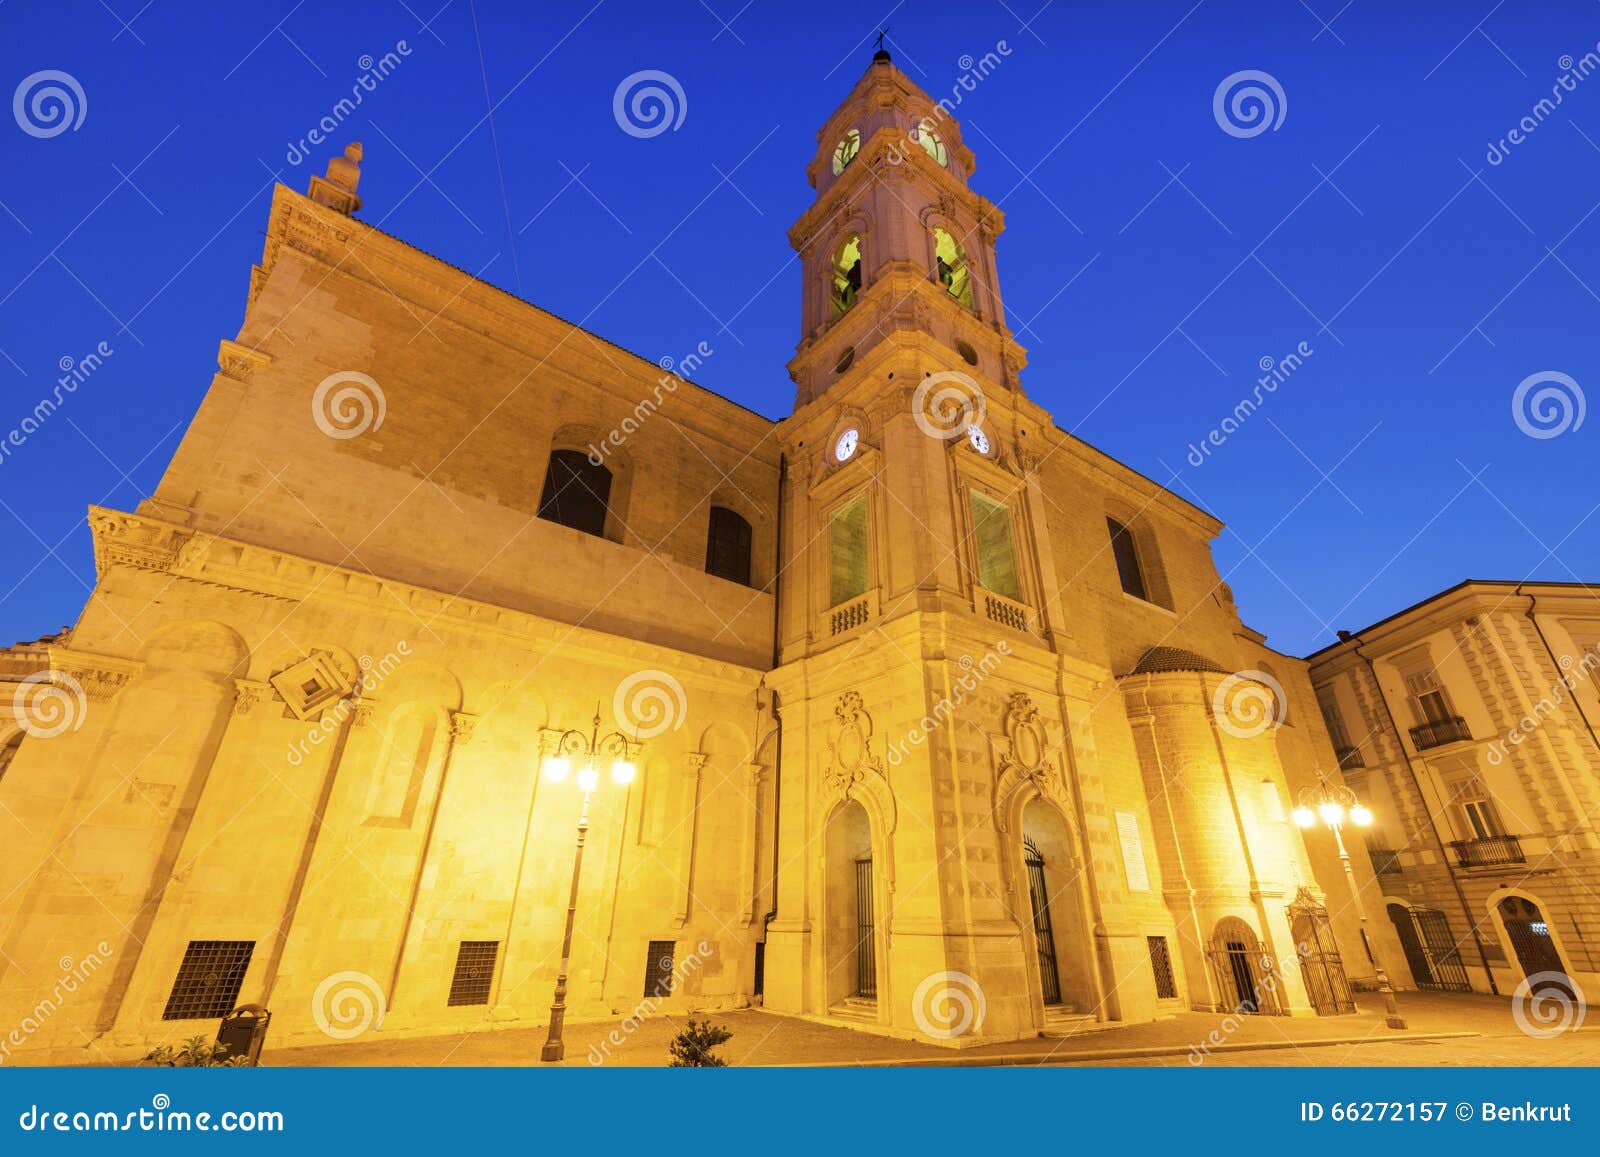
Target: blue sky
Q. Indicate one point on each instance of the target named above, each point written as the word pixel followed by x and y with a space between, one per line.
pixel 1151 261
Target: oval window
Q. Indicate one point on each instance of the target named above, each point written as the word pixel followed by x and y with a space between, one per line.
pixel 968 354
pixel 845 359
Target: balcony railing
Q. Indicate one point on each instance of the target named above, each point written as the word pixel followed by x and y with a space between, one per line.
pixel 1349 757
pixel 1451 729
pixel 1488 851
pixel 1385 861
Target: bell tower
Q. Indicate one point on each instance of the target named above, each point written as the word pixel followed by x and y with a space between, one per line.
pixel 897 253
pixel 918 608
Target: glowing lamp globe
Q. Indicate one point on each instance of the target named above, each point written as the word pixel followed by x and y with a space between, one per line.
pixel 622 772
pixel 1304 816
pixel 1332 814
pixel 589 778
pixel 556 768
pixel 1361 816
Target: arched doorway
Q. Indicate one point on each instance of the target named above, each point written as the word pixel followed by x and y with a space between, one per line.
pixel 1242 969
pixel 850 905
pixel 1320 962
pixel 1529 933
pixel 1060 934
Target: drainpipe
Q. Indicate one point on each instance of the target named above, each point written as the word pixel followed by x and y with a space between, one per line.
pixel 1416 783
pixel 777 715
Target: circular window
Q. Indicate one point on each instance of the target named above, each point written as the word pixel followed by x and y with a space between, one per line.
pixel 968 354
pixel 844 448
pixel 845 151
pixel 847 357
pixel 979 440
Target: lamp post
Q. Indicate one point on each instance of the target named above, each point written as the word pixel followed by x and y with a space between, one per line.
pixel 1332 804
pixel 570 745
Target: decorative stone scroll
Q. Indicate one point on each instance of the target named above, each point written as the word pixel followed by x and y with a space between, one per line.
pixel 1021 753
pixel 851 759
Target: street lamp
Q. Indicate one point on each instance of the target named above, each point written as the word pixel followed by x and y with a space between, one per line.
pixel 1335 804
pixel 620 750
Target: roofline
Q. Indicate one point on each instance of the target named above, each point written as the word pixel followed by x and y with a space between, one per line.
pixel 654 366
pixel 1515 584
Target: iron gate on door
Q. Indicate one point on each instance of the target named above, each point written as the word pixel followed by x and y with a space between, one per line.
pixel 1049 977
pixel 1530 937
pixel 1320 963
pixel 866 959
pixel 1243 971
pixel 1440 965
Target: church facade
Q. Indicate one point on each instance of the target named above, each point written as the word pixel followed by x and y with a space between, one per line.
pixel 910 711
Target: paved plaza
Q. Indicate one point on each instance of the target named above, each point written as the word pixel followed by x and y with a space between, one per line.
pixel 1443 1030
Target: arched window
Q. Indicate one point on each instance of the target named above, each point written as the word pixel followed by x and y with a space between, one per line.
pixel 931 144
pixel 848 148
pixel 952 267
pixel 847 275
pixel 576 492
pixel 1127 556
pixel 728 546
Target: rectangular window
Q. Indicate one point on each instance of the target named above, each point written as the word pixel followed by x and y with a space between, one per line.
pixel 209 979
pixel 1161 965
pixel 1482 821
pixel 847 552
pixel 474 973
pixel 658 968
pixel 995 551
pixel 1335 722
pixel 1432 705
pixel 1127 557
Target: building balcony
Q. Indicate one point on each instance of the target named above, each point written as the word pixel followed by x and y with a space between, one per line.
pixel 1488 851
pixel 1349 757
pixel 1385 861
pixel 1452 729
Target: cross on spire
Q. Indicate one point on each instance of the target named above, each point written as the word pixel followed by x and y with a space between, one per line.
pixel 882 53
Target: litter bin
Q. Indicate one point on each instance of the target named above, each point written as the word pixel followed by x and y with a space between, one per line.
pixel 244 1030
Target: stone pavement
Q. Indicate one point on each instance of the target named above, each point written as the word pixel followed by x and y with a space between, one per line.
pixel 1444 1029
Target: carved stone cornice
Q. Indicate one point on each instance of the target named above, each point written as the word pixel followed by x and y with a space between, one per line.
pixel 131 541
pixel 100 676
pixel 239 362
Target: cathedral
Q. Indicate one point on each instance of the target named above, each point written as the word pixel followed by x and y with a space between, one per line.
pixel 909 712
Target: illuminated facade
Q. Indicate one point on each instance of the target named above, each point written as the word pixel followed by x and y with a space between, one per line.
pixel 944 723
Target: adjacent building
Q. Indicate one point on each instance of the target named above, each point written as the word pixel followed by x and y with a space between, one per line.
pixel 1469 722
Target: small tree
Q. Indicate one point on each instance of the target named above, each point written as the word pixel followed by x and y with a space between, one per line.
pixel 195 1053
pixel 691 1048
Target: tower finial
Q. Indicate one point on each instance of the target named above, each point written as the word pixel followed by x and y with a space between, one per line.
pixel 882 53
pixel 338 189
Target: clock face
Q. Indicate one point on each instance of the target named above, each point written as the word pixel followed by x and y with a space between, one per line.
pixel 979 440
pixel 932 144
pixel 845 448
pixel 845 151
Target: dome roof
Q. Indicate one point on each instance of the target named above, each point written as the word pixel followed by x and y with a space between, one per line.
pixel 1158 660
